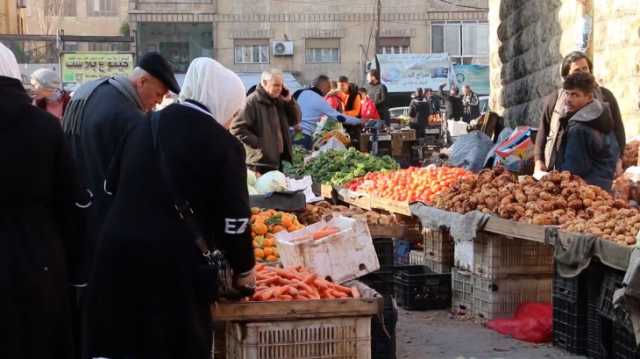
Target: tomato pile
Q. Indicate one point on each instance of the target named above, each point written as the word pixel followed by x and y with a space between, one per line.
pixel 412 184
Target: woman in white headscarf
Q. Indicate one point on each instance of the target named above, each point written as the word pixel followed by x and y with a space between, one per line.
pixel 40 245
pixel 215 86
pixel 47 92
pixel 183 157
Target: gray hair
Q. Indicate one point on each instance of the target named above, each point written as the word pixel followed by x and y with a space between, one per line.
pixel 46 78
pixel 268 75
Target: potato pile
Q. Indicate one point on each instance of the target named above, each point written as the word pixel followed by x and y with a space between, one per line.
pixel 555 200
pixel 630 157
pixel 315 212
pixel 618 225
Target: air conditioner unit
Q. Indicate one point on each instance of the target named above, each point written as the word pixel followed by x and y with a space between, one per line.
pixel 21 4
pixel 282 48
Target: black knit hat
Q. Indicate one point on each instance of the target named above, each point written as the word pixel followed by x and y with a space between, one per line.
pixel 158 67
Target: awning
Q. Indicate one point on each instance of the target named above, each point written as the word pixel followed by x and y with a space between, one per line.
pixel 250 79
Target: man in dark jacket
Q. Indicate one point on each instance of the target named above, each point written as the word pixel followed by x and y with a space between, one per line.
pixel 470 104
pixel 419 111
pixel 378 93
pixel 586 144
pixel 100 114
pixel 453 102
pixel 554 109
pixel 263 125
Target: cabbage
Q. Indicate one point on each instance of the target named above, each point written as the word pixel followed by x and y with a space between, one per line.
pixel 251 178
pixel 273 181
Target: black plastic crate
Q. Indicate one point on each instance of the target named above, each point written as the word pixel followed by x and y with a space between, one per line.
pixel 624 344
pixel 381 281
pixel 419 288
pixel 383 337
pixel 611 281
pixel 574 289
pixel 384 250
pixel 569 326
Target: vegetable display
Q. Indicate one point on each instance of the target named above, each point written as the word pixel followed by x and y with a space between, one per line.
pixel 338 167
pixel 412 184
pixel 314 213
pixel 299 283
pixel 264 225
pixel 630 157
pixel 272 181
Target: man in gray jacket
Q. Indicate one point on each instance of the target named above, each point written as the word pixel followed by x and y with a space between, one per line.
pixel 263 125
pixel 378 92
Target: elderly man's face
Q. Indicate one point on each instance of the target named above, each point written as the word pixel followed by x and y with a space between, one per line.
pixel 38 92
pixel 273 86
pixel 151 91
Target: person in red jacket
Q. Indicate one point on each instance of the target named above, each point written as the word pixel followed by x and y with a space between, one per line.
pixel 333 98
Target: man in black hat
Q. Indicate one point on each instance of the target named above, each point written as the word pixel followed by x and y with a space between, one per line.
pixel 97 119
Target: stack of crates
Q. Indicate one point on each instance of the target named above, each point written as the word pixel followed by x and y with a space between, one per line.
pixel 383 332
pixel 570 315
pixel 382 279
pixel 508 272
pixel 438 250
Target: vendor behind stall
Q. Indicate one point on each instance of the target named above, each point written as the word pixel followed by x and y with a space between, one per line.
pixel 586 143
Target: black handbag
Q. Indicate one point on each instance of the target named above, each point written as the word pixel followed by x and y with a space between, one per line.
pixel 215 276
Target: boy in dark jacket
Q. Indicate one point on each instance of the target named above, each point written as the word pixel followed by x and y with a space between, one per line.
pixel 586 145
pixel 453 102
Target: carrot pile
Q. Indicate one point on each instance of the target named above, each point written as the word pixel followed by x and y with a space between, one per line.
pixel 325 232
pixel 299 283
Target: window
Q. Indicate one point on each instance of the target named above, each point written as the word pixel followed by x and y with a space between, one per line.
pixel 248 51
pixel 102 7
pixel 463 41
pixel 60 7
pixel 394 45
pixel 322 51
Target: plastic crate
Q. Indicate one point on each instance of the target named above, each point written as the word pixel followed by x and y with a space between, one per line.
pixel 384 250
pixel 383 335
pixel 438 246
pixel 611 281
pixel 497 255
pixel 419 288
pixel 437 266
pixel 337 338
pixel 573 290
pixel 500 297
pixel 381 281
pixel 461 292
pixel 401 252
pixel 569 326
pixel 416 258
pixel 597 339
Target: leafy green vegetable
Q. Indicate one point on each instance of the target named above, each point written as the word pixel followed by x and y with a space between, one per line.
pixel 339 166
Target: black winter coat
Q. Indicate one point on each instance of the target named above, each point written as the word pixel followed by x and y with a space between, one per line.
pixel 143 300
pixel 38 238
pixel 454 107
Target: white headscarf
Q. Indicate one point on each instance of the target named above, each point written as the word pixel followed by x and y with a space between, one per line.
pixel 214 86
pixel 46 78
pixel 8 64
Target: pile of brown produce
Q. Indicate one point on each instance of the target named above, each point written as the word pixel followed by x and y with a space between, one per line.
pixel 316 212
pixel 630 157
pixel 555 200
pixel 619 225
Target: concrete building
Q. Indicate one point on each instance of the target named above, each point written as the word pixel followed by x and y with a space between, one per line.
pixel 529 41
pixel 11 16
pixel 306 38
pixel 78 17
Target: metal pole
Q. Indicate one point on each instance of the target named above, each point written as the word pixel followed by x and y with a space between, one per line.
pixel 378 13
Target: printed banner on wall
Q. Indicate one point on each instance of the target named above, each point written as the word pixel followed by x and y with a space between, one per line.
pixel 80 67
pixel 476 76
pixel 407 72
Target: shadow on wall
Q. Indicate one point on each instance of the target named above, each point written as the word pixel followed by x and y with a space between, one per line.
pixel 530 34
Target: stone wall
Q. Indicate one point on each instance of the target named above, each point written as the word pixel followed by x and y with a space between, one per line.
pixel 616 52
pixel 529 39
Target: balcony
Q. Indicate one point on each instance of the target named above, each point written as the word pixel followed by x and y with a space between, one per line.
pixel 177 6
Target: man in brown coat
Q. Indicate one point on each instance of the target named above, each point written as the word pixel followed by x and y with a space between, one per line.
pixel 263 125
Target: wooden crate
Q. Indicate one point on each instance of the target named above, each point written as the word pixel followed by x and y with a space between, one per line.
pixel 391 206
pixel 357 199
pixel 438 246
pixel 328 338
pixel 387 230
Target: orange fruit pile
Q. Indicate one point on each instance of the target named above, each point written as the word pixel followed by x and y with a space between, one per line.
pixel 264 225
